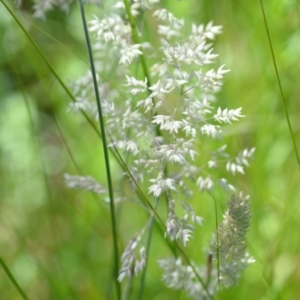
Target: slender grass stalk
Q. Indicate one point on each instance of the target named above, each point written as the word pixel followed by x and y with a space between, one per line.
pixel 12 279
pixel 143 278
pixel 298 13
pixel 54 39
pixel 136 40
pixel 279 84
pixel 106 156
pixel 217 240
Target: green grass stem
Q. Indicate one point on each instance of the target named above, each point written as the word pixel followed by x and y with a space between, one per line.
pixel 217 240
pixel 106 154
pixel 12 279
pixel 143 277
pixel 279 84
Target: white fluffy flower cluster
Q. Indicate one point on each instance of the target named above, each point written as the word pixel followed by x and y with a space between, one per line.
pixel 130 263
pixel 84 183
pixel 164 118
pixel 179 228
pixel 116 32
pixel 160 119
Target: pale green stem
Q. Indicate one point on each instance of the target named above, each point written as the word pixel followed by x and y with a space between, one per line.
pixel 12 279
pixel 279 85
pixel 143 278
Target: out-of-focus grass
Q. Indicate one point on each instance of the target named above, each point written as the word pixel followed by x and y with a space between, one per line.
pixel 57 242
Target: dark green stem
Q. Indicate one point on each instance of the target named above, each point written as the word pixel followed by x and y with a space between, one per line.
pixel 217 240
pixel 106 156
pixel 12 279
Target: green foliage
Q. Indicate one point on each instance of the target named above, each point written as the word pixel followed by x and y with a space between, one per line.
pixel 57 242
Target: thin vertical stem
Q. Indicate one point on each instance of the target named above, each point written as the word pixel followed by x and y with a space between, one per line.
pixel 143 279
pixel 279 85
pixel 12 279
pixel 217 240
pixel 105 150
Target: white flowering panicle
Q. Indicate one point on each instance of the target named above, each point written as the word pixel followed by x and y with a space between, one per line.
pixel 130 263
pixel 179 228
pixel 84 183
pixel 163 116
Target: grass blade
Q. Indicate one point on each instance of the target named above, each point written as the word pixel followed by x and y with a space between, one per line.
pixel 12 279
pixel 106 156
pixel 279 85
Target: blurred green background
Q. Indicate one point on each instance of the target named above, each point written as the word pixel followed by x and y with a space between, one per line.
pixel 57 242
